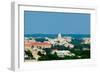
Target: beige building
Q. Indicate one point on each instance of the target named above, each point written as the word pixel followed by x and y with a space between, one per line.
pixel 30 44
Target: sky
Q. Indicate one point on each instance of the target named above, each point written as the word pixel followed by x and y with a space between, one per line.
pixel 56 22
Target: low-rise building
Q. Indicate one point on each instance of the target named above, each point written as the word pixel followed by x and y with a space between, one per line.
pixel 86 41
pixel 62 53
pixel 30 44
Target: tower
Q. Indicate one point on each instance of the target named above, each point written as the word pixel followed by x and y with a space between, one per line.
pixel 59 36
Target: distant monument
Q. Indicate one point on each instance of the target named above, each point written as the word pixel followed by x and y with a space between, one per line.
pixel 59 36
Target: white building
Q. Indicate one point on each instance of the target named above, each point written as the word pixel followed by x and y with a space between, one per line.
pixel 61 41
pixel 63 53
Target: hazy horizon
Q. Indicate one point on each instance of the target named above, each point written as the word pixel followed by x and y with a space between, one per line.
pixel 56 33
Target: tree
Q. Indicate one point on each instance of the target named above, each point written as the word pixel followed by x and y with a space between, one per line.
pixel 28 52
pixel 40 54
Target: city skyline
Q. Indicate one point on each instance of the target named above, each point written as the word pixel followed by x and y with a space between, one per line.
pixel 56 22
